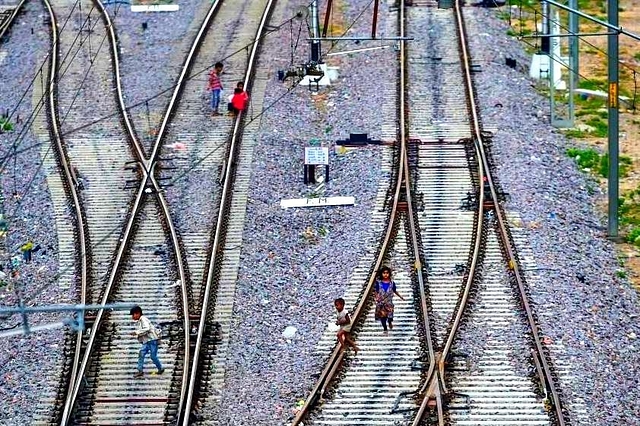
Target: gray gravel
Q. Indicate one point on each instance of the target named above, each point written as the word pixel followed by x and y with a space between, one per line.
pixel 593 318
pixel 27 364
pixel 151 58
pixel 286 279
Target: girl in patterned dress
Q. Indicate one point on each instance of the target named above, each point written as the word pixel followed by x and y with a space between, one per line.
pixel 383 291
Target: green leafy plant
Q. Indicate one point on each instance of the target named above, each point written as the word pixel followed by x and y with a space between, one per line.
pixel 5 125
pixel 585 158
pixel 592 84
pixel 624 164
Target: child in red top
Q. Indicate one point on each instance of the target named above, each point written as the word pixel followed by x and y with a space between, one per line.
pixel 239 100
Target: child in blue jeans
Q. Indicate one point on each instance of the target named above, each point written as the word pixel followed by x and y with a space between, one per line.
pixel 148 335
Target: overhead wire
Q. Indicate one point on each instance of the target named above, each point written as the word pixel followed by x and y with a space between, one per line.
pixel 69 109
pixel 582 39
pixel 56 277
pixel 289 90
pixel 17 289
pixel 172 87
pixel 40 103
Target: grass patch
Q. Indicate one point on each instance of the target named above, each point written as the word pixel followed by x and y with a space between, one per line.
pixel 590 102
pixel 633 237
pixel 600 127
pixel 590 160
pixel 575 134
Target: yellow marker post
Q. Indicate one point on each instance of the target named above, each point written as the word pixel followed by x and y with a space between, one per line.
pixel 613 94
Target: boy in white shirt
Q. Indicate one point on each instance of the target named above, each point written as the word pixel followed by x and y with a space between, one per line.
pixel 148 336
pixel 344 321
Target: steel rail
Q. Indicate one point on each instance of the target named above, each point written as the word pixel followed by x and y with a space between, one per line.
pixel 7 24
pixel 225 203
pixel 187 378
pixel 149 173
pixel 513 264
pixel 434 384
pixel 484 173
pixel 433 358
pixel 173 102
pixel 147 176
pixel 337 355
pixel 68 175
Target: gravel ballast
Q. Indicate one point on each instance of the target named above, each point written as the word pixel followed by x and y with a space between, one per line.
pixel 295 262
pixel 29 365
pixel 582 304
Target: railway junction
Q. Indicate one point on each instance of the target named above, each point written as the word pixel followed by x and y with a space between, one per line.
pixel 394 133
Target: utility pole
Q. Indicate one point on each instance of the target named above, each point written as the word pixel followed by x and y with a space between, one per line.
pixel 574 59
pixel 574 44
pixel 612 53
pixel 545 44
pixel 315 24
pixel 613 58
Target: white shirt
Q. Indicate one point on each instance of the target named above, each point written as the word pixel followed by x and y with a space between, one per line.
pixel 341 316
pixel 145 331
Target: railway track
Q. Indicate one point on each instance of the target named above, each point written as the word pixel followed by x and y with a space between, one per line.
pixel 8 14
pixel 219 159
pixel 99 153
pixel 136 255
pixel 465 270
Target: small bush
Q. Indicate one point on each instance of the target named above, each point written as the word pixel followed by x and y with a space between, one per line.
pixel 5 125
pixel 634 237
pixel 624 164
pixel 585 158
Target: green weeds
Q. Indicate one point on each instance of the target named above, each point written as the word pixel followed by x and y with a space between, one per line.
pixel 590 160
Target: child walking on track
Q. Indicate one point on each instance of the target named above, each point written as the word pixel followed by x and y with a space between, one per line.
pixel 148 335
pixel 344 321
pixel 383 291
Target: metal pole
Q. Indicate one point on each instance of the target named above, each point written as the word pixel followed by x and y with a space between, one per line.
pixel 545 42
pixel 375 19
pixel 327 14
pixel 574 60
pixel 574 42
pixel 612 53
pixel 615 28
pixel 550 51
pixel 315 44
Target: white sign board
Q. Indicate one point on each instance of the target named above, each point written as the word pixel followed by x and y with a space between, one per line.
pixel 316 155
pixel 155 7
pixel 318 202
